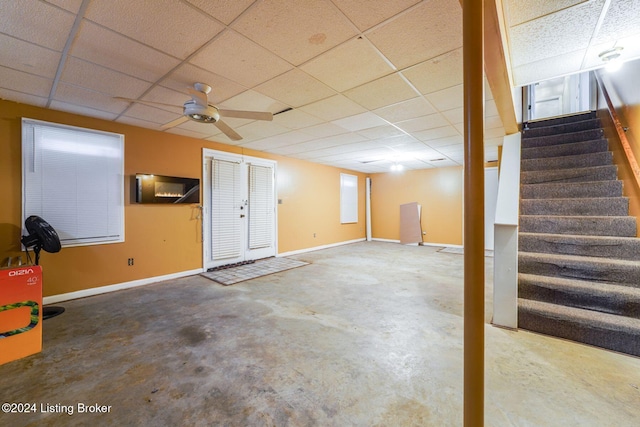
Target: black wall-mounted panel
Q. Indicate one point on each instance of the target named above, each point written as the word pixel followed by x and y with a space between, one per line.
pixel 166 189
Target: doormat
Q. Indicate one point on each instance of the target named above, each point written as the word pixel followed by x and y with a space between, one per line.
pixel 259 268
pixel 460 251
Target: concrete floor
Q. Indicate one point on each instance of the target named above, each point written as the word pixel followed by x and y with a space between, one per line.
pixel 369 334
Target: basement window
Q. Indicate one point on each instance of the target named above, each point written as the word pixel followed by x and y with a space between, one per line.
pixel 74 179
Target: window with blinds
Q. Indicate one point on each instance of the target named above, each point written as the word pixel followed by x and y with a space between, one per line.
pixel 74 179
pixel 226 239
pixel 261 206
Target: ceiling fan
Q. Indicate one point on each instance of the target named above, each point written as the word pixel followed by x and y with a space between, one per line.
pixel 200 110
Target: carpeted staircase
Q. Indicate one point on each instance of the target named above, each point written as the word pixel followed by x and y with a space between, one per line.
pixel 579 259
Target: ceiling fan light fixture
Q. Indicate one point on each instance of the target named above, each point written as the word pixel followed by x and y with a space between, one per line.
pixel 200 114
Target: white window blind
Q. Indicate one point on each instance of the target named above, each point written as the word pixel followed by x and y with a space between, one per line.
pixel 261 206
pixel 225 193
pixel 74 179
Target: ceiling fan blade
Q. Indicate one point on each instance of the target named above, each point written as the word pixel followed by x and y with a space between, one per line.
pixel 232 134
pixel 199 98
pixel 140 101
pixel 175 122
pixel 239 114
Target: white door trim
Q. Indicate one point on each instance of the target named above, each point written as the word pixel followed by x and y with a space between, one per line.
pixel 208 154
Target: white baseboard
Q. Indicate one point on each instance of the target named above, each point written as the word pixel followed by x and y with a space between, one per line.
pixel 317 248
pixel 53 299
pixel 446 245
pixel 375 239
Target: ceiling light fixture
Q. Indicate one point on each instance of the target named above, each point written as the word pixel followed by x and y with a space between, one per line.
pixel 611 58
pixel 397 167
pixel 198 113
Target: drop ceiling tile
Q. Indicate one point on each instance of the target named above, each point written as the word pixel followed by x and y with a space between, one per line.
pixel 490 109
pixel 551 67
pixel 77 95
pixel 324 129
pixel 443 142
pixel 447 99
pixel 28 57
pixel 112 50
pixel 190 133
pixel 460 128
pixel 493 122
pixel 319 144
pixel 522 11
pixel 69 5
pixel 387 90
pixel 454 116
pixel 259 129
pixel 224 11
pixel 175 28
pixel 20 18
pixel 27 84
pixel 82 110
pixel 493 142
pixel 296 119
pixel 151 114
pixel 436 133
pixel 365 14
pixel 295 88
pixel 423 123
pixel 277 141
pixel 244 61
pixel 429 30
pixel 438 73
pixel 622 20
pixel 396 141
pixel 494 132
pixel 334 107
pixel 339 151
pixel 359 122
pixel 138 122
pixel 348 65
pixel 23 98
pixel 406 110
pixel 306 28
pixel 427 154
pixel 174 100
pixel 100 79
pixel 554 35
pixel 253 101
pixel 380 132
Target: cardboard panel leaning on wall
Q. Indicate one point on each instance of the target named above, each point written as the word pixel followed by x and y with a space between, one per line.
pixel 438 191
pixel 162 239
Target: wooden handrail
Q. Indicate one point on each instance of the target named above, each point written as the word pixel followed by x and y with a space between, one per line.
pixel 631 158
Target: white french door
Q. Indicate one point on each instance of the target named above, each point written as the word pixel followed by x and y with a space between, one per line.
pixel 239 218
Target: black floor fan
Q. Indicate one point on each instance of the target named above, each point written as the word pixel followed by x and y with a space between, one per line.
pixel 41 236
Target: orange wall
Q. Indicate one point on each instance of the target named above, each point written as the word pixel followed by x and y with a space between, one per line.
pixel 438 191
pixel 628 116
pixel 164 239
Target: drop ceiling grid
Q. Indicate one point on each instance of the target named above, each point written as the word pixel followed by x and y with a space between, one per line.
pixel 100 70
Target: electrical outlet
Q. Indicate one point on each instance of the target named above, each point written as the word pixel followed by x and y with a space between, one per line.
pixel 314 235
pixel 130 261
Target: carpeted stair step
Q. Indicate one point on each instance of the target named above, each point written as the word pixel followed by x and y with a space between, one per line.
pixel 591 246
pixel 562 139
pixel 618 333
pixel 560 120
pixel 620 226
pixel 562 128
pixel 618 271
pixel 572 190
pixel 604 297
pixel 602 158
pixel 600 206
pixel 566 149
pixel 593 173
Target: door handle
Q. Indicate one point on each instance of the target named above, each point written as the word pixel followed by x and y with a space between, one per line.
pixel 242 216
